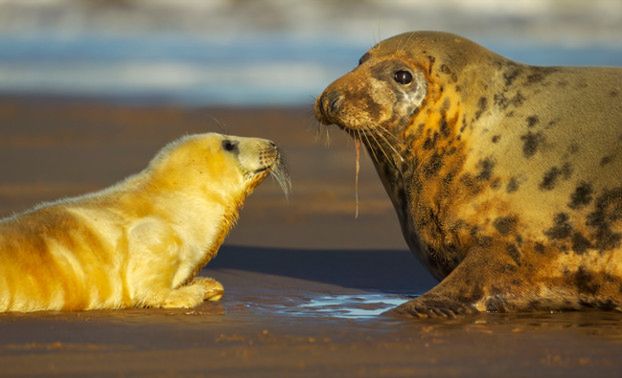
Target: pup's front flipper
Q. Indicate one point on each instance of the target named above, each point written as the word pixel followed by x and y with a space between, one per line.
pixel 213 290
pixel 187 296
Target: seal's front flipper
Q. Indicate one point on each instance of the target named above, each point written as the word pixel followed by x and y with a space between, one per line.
pixel 434 306
pixel 489 279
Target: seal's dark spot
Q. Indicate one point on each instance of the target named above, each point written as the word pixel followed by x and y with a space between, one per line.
pixel 503 102
pixel 482 105
pixel 579 243
pixel 517 100
pixel 606 160
pixel 485 169
pixel 585 282
pixel 531 141
pixel 535 78
pixel 505 224
pixel 573 148
pixel 495 184
pixel 550 179
pixel 430 142
pixel 495 304
pixel 512 185
pixel 444 127
pixel 561 228
pixel 514 253
pixel 582 195
pixel 431 59
pixel 532 120
pixel 433 165
pixel 510 75
pixel 495 138
pixel 373 108
pixel 608 211
pixel 538 247
pixel 614 93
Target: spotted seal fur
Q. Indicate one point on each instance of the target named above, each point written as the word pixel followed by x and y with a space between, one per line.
pixel 506 177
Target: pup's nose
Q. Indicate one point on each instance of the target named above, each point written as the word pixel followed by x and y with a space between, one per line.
pixel 329 105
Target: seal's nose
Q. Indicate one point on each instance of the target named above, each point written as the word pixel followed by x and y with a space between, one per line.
pixel 329 105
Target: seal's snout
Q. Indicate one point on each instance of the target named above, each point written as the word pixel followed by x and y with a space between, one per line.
pixel 328 106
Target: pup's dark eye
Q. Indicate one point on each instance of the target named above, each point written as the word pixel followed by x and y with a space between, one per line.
pixel 229 145
pixel 403 77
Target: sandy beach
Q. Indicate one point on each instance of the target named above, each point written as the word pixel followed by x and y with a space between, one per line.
pixel 305 282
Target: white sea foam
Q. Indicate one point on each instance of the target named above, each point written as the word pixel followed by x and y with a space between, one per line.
pixel 270 51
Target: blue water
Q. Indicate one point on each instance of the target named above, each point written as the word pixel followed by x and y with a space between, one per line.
pixel 266 69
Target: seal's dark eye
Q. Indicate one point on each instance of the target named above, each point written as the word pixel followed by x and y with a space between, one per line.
pixel 403 77
pixel 229 145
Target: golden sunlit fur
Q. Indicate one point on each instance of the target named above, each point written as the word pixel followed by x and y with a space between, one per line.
pixel 139 243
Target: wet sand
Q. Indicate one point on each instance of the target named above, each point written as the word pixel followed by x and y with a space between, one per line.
pixel 304 280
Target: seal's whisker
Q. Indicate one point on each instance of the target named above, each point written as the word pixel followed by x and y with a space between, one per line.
pixel 322 134
pixel 381 148
pixel 388 133
pixel 395 151
pixel 221 126
pixel 373 153
pixel 357 149
pixel 394 148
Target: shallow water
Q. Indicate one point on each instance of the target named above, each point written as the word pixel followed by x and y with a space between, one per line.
pixel 347 306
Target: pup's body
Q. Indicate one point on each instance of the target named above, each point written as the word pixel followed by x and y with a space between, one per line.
pixel 140 242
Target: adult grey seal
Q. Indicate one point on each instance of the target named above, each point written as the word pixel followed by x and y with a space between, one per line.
pixel 506 177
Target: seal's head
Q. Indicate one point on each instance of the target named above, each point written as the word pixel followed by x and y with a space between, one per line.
pixel 218 164
pixel 394 80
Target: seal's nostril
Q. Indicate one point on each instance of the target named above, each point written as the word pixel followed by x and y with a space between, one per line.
pixel 331 102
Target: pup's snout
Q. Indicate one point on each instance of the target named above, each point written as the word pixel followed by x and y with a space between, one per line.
pixel 269 154
pixel 328 106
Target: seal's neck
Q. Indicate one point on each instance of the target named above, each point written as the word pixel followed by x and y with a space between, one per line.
pixel 421 181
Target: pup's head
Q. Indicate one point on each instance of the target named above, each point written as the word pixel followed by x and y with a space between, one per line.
pixel 227 166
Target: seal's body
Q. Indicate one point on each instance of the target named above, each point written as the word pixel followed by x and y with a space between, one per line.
pixel 505 177
pixel 140 242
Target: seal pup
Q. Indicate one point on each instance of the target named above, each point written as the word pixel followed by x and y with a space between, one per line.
pixel 141 242
pixel 505 177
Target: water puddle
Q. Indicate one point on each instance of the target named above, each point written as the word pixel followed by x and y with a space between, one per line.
pixel 353 306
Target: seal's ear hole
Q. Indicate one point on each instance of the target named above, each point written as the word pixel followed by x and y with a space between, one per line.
pixel 229 145
pixel 403 77
pixel 364 58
